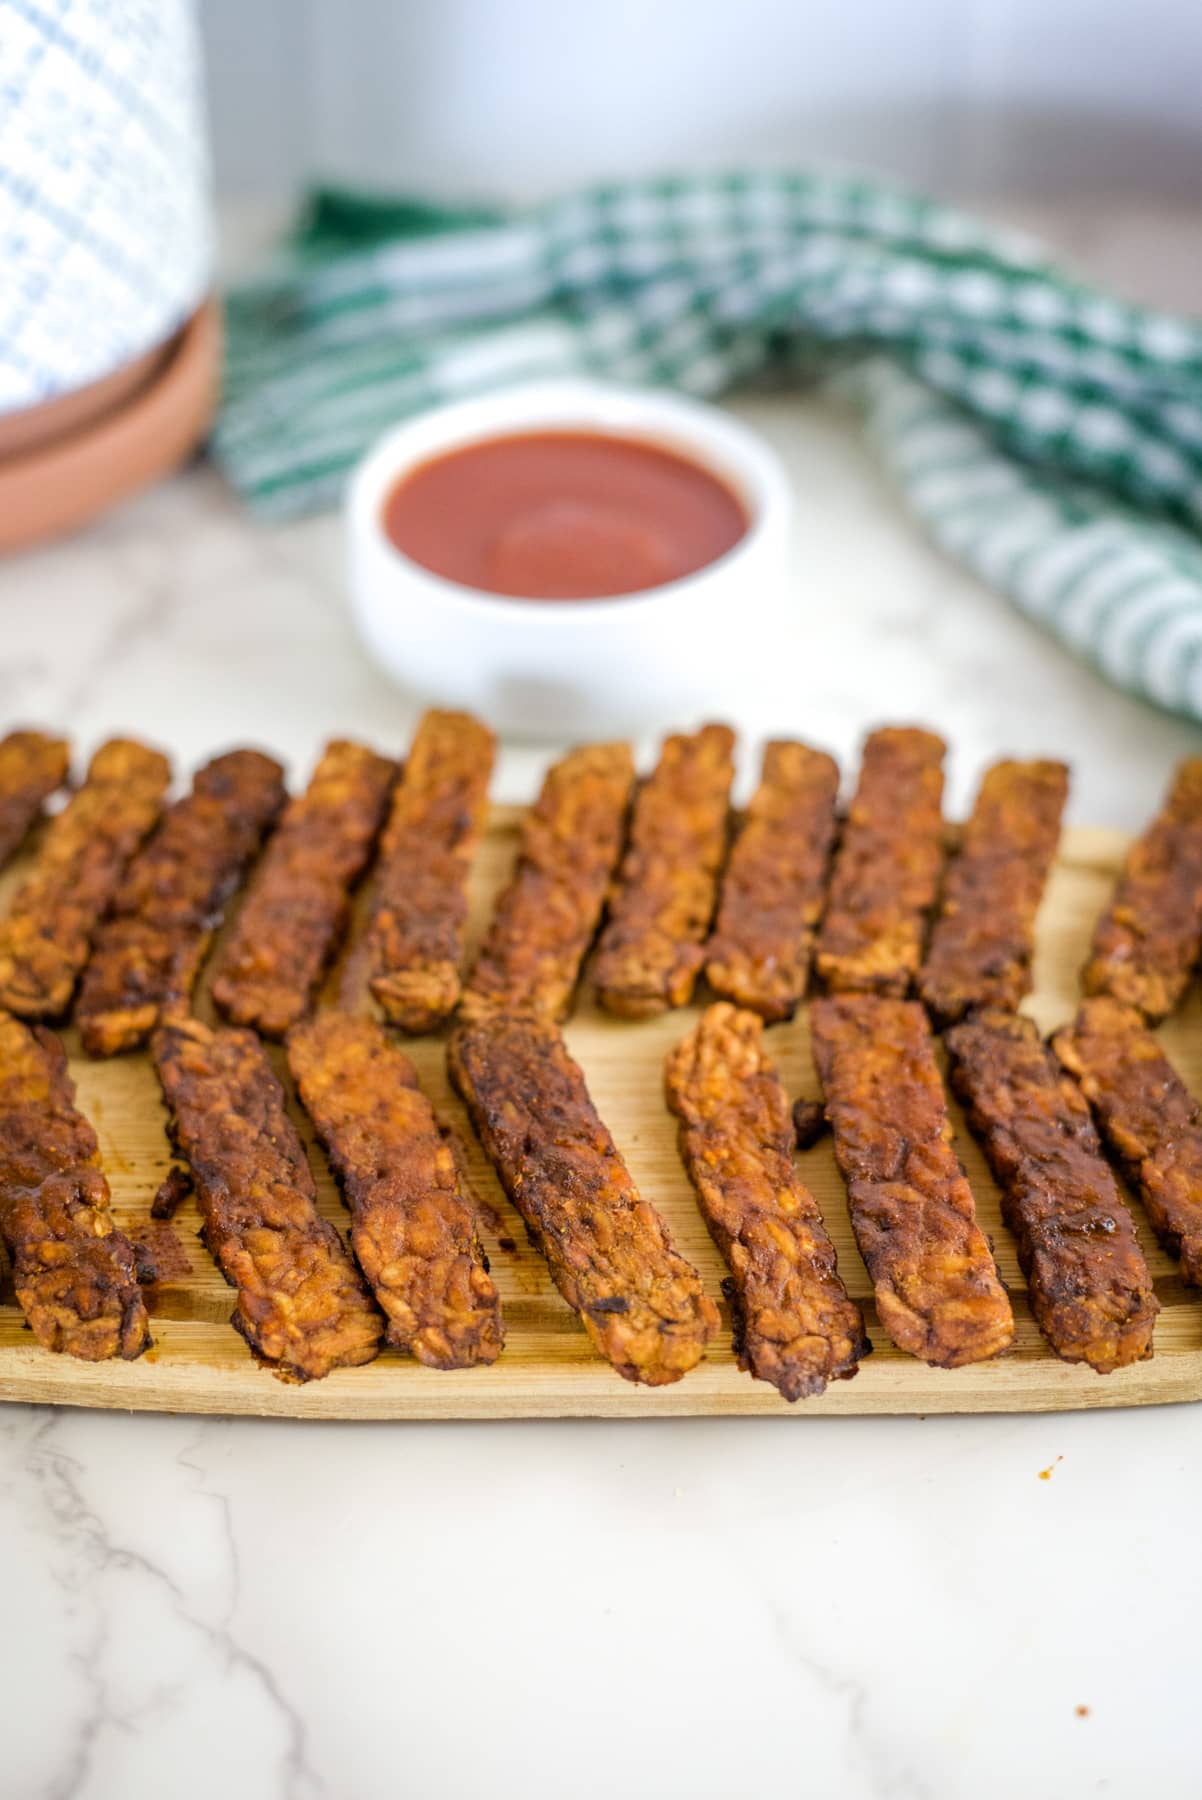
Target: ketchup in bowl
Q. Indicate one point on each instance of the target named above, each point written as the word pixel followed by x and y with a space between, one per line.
pixel 563 515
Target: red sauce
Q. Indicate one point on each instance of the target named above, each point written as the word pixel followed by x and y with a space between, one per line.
pixel 563 516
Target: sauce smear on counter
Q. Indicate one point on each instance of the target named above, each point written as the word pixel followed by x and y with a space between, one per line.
pixel 563 516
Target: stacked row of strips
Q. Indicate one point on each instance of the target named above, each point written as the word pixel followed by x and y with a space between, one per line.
pixel 860 902
pixel 1045 1114
pixel 900 918
pixel 133 895
pixel 938 1293
pixel 297 1306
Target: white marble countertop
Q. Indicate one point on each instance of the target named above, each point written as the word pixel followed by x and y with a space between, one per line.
pixel 856 1608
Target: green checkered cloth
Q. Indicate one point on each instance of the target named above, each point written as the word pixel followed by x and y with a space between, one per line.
pixel 1045 434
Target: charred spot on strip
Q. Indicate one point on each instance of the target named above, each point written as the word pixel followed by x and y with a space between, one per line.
pixel 810 1123
pixel 172 1191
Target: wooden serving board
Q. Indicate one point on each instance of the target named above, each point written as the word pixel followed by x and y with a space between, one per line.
pixel 548 1369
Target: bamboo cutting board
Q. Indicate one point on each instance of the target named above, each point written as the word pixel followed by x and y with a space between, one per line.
pixel 548 1368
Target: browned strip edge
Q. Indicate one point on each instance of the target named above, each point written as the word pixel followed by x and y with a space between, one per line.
pixel 47 937
pixel 149 951
pixel 1090 1289
pixel 414 1231
pixel 75 1273
pixel 1148 939
pixel 609 1251
pixel 938 1292
pixel 652 946
pixel 33 765
pixel 297 906
pixel 775 883
pixel 885 878
pixel 302 1305
pixel 794 1323
pixel 410 952
pixel 547 917
pixel 1148 1119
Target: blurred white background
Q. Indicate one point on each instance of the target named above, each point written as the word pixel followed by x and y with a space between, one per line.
pixel 974 99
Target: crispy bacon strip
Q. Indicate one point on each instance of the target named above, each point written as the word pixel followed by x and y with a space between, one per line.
pixel 298 904
pixel 653 944
pixel 1147 1117
pixel 148 953
pixel 547 916
pixel 32 767
pixel 772 892
pixel 413 1230
pixel 47 937
pixel 608 1250
pixel 937 1290
pixel 76 1274
pixel 1147 941
pixel 886 873
pixel 413 945
pixel 302 1306
pixel 1090 1289
pixel 983 940
pixel 794 1323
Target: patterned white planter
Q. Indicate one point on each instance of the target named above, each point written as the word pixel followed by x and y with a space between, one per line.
pixel 106 241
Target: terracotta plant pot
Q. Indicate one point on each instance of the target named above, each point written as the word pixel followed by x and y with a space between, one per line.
pixel 72 461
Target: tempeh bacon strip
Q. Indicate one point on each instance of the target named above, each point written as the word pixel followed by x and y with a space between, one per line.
pixel 547 917
pixel 1147 1117
pixel 33 766
pixel 47 937
pixel 414 1231
pixel 298 902
pixel 302 1306
pixel 775 882
pixel 1091 1292
pixel 653 944
pixel 938 1292
pixel 75 1273
pixel 412 947
pixel 794 1323
pixel 983 939
pixel 608 1250
pixel 149 951
pixel 1147 941
pixel 885 879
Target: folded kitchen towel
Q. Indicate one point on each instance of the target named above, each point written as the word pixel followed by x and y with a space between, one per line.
pixel 1047 435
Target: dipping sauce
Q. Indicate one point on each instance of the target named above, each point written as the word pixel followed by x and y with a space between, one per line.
pixel 563 515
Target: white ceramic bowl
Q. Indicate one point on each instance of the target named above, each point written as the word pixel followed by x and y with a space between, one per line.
pixel 534 668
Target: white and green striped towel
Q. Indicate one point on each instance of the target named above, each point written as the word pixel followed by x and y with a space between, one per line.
pixel 1047 435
